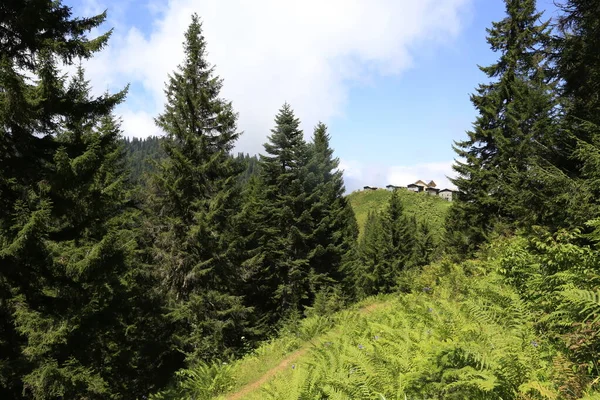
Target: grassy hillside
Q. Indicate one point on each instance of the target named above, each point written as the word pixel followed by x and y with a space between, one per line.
pixel 458 332
pixel 453 331
pixel 428 208
pixel 440 341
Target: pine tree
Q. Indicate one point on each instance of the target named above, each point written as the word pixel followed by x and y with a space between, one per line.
pixel 280 265
pixel 194 201
pixel 513 131
pixel 334 230
pixel 369 271
pixel 251 245
pixel 425 244
pixel 578 65
pixel 78 306
pixel 73 312
pixel 401 230
pixel 389 245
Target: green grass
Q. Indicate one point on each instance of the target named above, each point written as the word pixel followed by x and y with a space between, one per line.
pixel 431 209
pixel 310 332
pixel 456 331
pixel 466 336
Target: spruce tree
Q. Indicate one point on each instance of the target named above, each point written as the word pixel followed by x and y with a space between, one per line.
pixel 280 266
pixel 334 225
pixel 370 270
pixel 513 131
pixel 388 246
pixel 252 244
pixel 80 309
pixel 578 65
pixel 425 244
pixel 74 314
pixel 400 230
pixel 195 197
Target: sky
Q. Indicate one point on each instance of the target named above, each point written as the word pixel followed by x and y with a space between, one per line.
pixel 390 78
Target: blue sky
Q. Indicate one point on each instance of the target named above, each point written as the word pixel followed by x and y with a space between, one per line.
pixel 391 78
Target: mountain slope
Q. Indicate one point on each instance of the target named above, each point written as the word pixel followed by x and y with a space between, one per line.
pixel 427 208
pixel 466 337
pixel 457 332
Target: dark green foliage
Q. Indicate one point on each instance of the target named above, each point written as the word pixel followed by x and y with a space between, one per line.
pixel 369 269
pixel 78 316
pixel 195 197
pixel 279 269
pixel 426 249
pixel 142 156
pixel 402 234
pixel 578 64
pixel 578 60
pixel 392 242
pixel 513 141
pixel 250 166
pixel 297 228
pixel 334 229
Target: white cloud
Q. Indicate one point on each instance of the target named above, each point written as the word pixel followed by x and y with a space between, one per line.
pixel 307 53
pixel 140 122
pixel 357 175
pixel 438 172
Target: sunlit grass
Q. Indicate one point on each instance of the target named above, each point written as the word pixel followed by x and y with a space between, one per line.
pixel 431 209
pixel 312 332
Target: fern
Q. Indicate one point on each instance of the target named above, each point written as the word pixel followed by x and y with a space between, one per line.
pixel 203 382
pixel 588 301
pixel 466 338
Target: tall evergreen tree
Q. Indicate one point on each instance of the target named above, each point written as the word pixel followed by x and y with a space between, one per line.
pixel 334 229
pixel 195 198
pixel 425 250
pixel 280 265
pixel 73 313
pixel 368 274
pixel 78 306
pixel 388 245
pixel 578 65
pixel 513 130
pixel 401 230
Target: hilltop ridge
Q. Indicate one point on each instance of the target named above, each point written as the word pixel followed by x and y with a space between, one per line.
pixel 431 209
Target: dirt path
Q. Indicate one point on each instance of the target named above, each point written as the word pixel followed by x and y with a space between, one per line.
pixel 252 386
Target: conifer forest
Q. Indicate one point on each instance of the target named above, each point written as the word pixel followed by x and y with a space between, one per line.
pixel 176 267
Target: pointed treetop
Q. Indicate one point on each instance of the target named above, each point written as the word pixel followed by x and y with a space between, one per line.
pixel 194 111
pixel 321 137
pixel 286 116
pixel 194 46
pixel 286 134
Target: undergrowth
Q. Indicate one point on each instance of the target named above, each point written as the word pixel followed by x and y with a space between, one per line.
pixel 520 322
pixel 461 333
